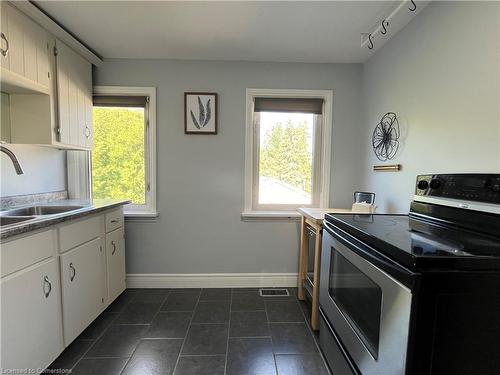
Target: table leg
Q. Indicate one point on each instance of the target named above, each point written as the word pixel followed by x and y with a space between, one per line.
pixel 316 277
pixel 302 259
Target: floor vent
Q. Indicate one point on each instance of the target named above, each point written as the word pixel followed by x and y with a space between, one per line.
pixel 274 293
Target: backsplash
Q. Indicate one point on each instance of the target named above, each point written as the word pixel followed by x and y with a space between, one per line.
pixel 21 200
pixel 44 170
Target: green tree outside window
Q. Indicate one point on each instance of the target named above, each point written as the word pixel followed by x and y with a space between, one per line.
pixel 118 164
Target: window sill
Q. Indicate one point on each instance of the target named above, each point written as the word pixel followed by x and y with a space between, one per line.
pixel 140 216
pixel 270 216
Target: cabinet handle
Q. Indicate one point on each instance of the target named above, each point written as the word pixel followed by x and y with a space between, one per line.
pixel 114 247
pixel 72 272
pixel 115 220
pixel 6 50
pixel 87 131
pixel 46 282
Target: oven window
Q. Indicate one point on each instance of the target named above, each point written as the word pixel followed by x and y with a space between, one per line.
pixel 359 298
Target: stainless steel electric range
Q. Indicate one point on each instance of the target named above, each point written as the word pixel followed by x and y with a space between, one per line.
pixel 418 293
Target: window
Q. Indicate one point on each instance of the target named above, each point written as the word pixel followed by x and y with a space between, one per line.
pixel 124 157
pixel 287 151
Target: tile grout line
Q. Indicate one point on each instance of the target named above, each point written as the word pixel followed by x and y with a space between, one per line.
pixel 228 331
pixel 187 332
pixel 102 333
pixel 190 324
pixel 139 342
pixel 314 338
pixel 271 338
pixel 201 355
pixel 304 321
pixel 107 358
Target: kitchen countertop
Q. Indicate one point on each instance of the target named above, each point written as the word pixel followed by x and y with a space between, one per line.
pixel 317 215
pixel 90 207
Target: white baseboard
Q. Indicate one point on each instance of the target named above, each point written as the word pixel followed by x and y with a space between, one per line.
pixel 210 280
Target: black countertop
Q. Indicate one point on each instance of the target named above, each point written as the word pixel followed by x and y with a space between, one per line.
pixel 39 222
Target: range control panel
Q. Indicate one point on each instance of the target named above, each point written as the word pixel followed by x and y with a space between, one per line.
pixel 470 187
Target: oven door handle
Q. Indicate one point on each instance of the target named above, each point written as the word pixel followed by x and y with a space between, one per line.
pixel 377 260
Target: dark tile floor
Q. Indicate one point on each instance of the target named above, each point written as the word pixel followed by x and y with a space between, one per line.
pixel 197 331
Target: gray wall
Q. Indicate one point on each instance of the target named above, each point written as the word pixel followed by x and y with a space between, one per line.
pixel 200 177
pixel 441 76
pixel 44 170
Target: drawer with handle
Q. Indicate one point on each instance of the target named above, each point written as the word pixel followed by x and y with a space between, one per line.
pixel 78 232
pixel 114 220
pixel 23 252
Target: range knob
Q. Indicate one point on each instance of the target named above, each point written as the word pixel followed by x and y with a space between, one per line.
pixel 435 183
pixel 422 185
pixel 495 188
pixel 494 184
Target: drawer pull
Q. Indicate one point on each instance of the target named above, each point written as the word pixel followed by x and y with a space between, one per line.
pixel 114 247
pixel 47 286
pixel 115 220
pixel 72 272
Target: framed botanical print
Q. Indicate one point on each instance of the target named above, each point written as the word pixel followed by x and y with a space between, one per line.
pixel 200 113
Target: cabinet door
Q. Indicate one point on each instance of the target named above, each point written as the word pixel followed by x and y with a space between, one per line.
pixel 88 105
pixel 115 263
pixel 28 54
pixel 67 95
pixel 4 59
pixel 29 48
pixel 63 77
pixel 43 56
pixel 16 40
pixel 82 293
pixel 31 317
pixel 75 96
pixel 82 133
pixel 83 81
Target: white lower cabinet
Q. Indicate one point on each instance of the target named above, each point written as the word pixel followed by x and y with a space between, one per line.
pixel 31 317
pixel 115 263
pixel 54 283
pixel 82 293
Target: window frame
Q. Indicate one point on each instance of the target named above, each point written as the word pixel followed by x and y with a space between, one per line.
pixel 321 167
pixel 149 210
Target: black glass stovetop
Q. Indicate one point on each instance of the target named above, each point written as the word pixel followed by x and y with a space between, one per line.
pixel 414 242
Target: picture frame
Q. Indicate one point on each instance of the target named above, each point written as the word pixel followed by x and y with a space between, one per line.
pixel 200 112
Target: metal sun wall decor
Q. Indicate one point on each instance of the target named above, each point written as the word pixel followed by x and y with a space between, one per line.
pixel 385 138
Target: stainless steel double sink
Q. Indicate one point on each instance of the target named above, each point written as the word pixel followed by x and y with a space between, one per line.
pixel 18 215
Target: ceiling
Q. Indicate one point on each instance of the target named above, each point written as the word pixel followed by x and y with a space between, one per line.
pixel 299 31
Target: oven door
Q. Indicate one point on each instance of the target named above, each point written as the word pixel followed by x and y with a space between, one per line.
pixel 368 309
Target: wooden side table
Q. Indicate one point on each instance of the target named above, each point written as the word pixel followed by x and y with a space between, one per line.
pixel 312 224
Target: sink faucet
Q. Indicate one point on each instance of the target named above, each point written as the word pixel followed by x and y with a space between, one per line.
pixel 13 157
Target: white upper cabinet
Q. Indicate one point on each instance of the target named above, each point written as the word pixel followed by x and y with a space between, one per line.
pixel 49 84
pixel 25 53
pixel 4 42
pixel 64 118
pixel 74 94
